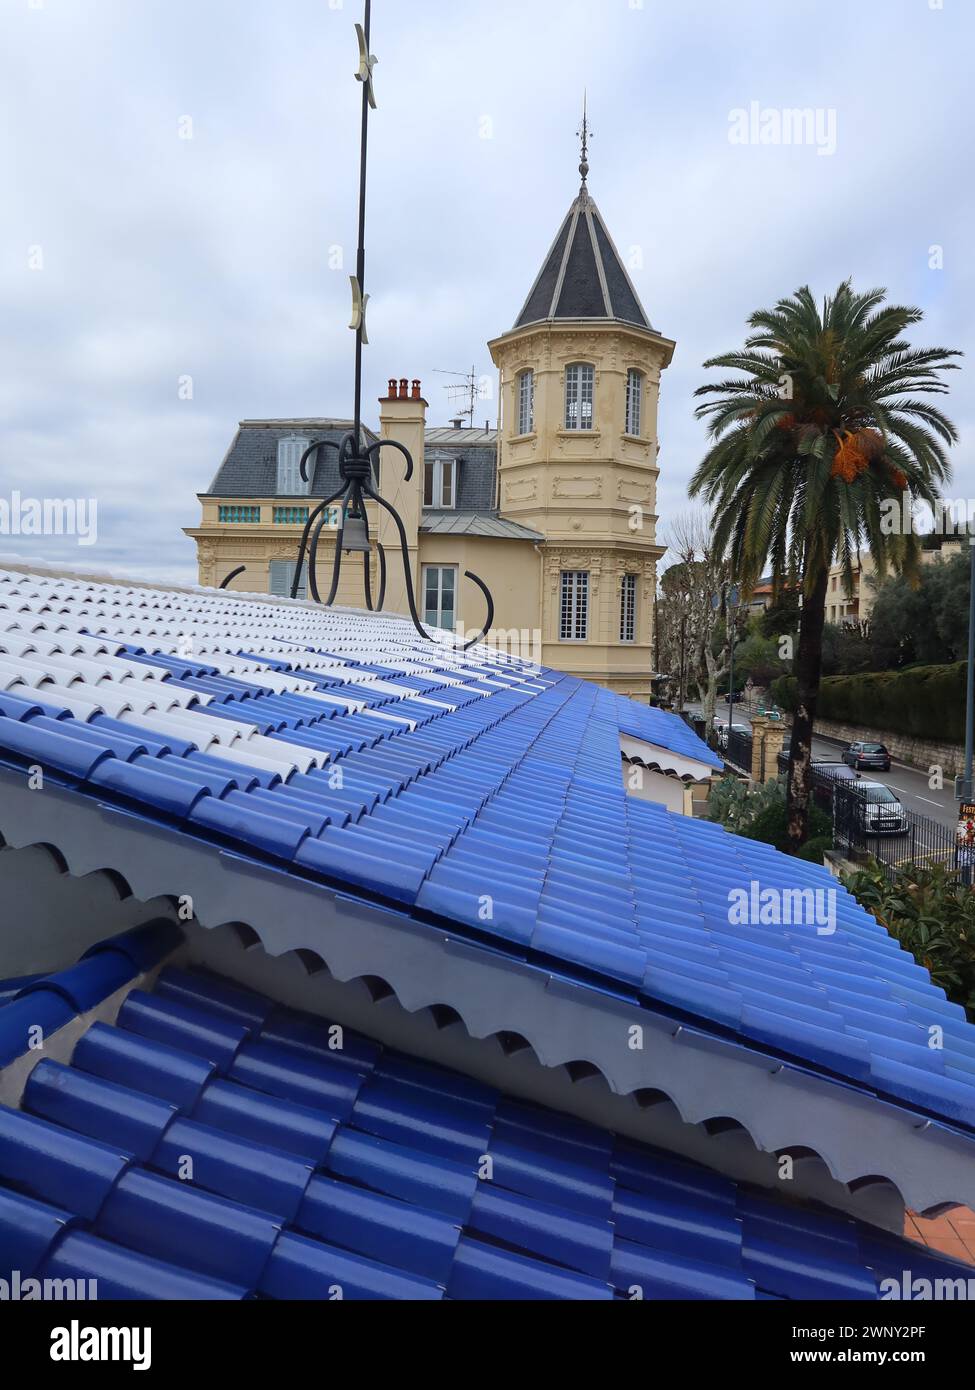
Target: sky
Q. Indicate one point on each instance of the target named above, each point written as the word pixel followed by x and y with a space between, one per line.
pixel 178 200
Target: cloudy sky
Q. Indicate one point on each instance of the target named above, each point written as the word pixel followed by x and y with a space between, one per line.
pixel 155 289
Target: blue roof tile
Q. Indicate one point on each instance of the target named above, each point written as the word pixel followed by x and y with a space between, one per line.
pixel 500 821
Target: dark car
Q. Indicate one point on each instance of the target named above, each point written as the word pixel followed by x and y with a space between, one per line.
pixel 825 776
pixel 868 755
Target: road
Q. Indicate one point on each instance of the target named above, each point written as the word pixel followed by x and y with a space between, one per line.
pixel 908 783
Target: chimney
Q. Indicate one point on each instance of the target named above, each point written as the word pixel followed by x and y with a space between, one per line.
pixel 457 424
pixel 402 417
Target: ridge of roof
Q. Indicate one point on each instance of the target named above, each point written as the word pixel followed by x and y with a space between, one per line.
pixel 324 422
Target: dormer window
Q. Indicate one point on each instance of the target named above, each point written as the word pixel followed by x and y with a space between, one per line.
pixel 440 483
pixel 290 452
pixel 580 380
pixel 526 403
pixel 634 401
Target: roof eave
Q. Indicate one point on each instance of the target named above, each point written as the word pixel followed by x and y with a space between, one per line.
pixel 575 325
pixel 781 1102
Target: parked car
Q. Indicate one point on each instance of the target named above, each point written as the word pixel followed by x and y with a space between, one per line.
pixel 825 776
pixel 885 814
pixel 868 755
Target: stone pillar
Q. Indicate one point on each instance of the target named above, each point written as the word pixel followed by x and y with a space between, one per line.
pixel 774 743
pixel 758 767
pixel 768 737
pixel 402 417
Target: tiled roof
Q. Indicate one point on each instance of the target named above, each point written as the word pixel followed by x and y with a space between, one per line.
pixel 583 276
pixel 442 798
pixel 665 730
pixel 952 1233
pixel 210 1144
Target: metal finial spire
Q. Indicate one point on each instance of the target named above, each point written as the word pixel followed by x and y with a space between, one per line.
pixel 584 134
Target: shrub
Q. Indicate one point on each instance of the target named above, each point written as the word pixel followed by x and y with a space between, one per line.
pixel 760 815
pixel 815 850
pixel 771 826
pixel 919 702
pixel 784 693
pixel 727 801
pixel 932 916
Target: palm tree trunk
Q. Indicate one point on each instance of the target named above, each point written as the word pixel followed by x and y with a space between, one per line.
pixel 809 661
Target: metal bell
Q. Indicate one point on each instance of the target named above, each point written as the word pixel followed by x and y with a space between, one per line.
pixel 355 534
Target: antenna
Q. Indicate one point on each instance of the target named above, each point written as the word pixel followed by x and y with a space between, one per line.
pixel 462 392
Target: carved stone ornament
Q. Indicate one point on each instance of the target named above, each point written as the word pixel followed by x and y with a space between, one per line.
pixel 577 486
pixel 633 490
pixel 520 489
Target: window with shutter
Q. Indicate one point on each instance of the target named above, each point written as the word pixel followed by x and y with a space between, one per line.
pixel 282 578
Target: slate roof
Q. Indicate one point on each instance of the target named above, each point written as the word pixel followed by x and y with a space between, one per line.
pixel 175 726
pixel 477 463
pixel 316 1167
pixel 583 276
pixel 250 466
pixel 450 523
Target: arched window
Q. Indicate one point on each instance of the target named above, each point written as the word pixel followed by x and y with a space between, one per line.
pixel 634 401
pixel 526 402
pixel 580 380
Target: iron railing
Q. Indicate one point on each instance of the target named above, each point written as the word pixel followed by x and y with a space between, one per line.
pixel 734 748
pixel 737 750
pixel 924 843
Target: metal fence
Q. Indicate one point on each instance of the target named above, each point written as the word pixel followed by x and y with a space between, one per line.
pixel 733 747
pixel 925 842
pixel 737 750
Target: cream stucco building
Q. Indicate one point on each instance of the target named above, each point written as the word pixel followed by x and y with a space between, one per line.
pixel 845 605
pixel 555 510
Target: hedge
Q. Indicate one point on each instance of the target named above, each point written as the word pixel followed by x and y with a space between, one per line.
pixel 921 702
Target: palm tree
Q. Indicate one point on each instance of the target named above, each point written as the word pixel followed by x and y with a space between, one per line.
pixel 814 449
